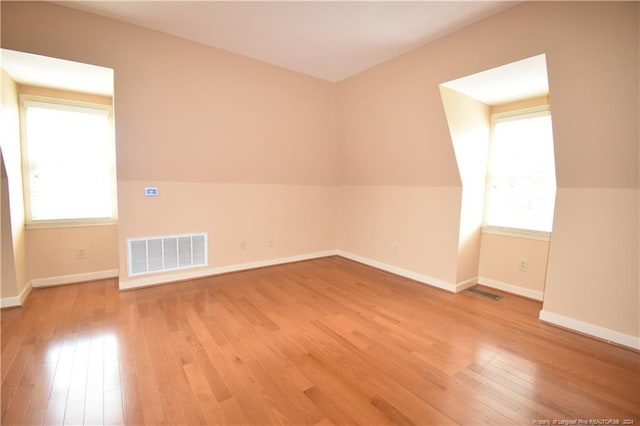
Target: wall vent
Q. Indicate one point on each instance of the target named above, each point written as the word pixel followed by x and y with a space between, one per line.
pixel 163 253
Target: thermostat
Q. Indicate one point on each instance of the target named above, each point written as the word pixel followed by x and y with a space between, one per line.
pixel 151 191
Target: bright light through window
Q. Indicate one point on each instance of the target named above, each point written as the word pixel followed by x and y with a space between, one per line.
pixel 521 179
pixel 69 159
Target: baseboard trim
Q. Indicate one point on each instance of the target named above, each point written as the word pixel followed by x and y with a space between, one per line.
pixel 510 288
pixel 25 292
pixel 12 302
pixel 75 278
pixel 466 284
pixel 201 273
pixel 423 279
pixel 608 335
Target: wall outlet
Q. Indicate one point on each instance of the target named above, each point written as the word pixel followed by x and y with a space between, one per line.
pixel 524 265
pixel 270 243
pixel 395 249
pixel 81 253
pixel 243 245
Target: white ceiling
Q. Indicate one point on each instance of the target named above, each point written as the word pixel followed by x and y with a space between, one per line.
pixel 511 82
pixel 43 71
pixel 328 40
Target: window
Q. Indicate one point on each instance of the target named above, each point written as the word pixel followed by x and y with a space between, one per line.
pixel 68 162
pixel 521 181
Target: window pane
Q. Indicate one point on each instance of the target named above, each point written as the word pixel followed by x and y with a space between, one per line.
pixel 522 183
pixel 70 162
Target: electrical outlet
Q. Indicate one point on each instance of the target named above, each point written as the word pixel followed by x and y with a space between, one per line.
pixel 243 245
pixel 524 265
pixel 270 243
pixel 81 253
pixel 395 249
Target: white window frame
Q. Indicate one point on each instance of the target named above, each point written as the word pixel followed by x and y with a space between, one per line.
pixel 503 230
pixel 64 104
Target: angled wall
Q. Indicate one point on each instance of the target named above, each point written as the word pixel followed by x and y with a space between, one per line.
pixel 240 149
pixel 14 286
pixel 393 134
pixel 252 144
pixel 469 122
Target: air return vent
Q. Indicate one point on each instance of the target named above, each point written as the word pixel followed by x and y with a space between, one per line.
pixel 485 293
pixel 166 253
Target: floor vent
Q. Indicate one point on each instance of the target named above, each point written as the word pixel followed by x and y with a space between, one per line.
pixel 166 253
pixel 485 293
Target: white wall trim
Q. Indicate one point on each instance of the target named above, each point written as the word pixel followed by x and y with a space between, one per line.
pixel 25 292
pixel 591 329
pixel 10 302
pixel 75 278
pixel 517 233
pixel 424 279
pixel 510 288
pixel 200 273
pixel 466 284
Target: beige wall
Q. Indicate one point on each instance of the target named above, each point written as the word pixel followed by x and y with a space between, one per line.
pixel 14 255
pixel 381 135
pixel 186 112
pixel 469 124
pixel 394 133
pixel 52 251
pixel 190 118
pixel 397 103
pixel 8 287
pixel 593 258
pixel 393 128
pixel 297 219
pixel 420 221
pixel 500 257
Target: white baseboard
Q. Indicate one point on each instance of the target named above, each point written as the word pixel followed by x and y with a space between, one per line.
pixel 200 273
pixel 75 278
pixel 510 288
pixel 591 329
pixel 25 292
pixel 466 284
pixel 10 302
pixel 424 279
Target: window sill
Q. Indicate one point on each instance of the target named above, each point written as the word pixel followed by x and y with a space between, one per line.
pixel 518 233
pixel 73 223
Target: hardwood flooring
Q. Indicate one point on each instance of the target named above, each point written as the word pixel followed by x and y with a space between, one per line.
pixel 323 342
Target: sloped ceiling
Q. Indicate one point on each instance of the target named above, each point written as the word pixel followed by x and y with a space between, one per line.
pixel 328 40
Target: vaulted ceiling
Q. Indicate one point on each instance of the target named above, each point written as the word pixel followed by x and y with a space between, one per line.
pixel 328 40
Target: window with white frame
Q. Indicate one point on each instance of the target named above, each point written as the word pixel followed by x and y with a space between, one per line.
pixel 521 180
pixel 68 161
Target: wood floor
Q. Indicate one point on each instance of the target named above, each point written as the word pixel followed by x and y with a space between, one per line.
pixel 323 342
